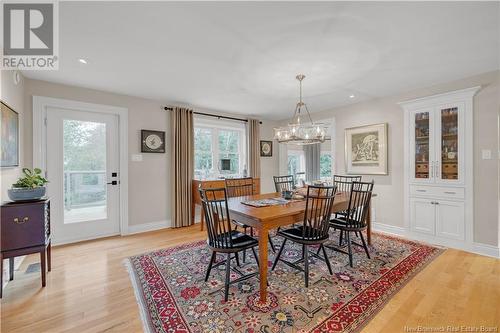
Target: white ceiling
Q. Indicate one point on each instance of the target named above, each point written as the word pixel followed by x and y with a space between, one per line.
pixel 243 57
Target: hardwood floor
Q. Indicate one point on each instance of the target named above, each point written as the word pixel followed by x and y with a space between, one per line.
pixel 89 290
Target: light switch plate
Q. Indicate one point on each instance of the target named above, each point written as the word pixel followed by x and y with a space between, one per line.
pixel 136 158
pixel 486 154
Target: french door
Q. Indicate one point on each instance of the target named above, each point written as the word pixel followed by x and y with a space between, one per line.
pixel 82 159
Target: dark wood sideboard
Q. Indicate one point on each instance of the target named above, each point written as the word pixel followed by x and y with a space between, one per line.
pixel 25 229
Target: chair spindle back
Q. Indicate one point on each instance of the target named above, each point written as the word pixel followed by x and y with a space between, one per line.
pixel 217 217
pixel 319 203
pixel 284 183
pixel 344 183
pixel 359 203
pixel 239 187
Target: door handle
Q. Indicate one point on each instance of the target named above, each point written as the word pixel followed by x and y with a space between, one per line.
pixel 114 182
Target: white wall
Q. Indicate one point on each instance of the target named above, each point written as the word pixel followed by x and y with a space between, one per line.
pixel 268 165
pixel 149 180
pixel 390 187
pixel 12 95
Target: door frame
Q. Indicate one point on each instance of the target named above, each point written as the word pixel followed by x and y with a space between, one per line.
pixel 40 105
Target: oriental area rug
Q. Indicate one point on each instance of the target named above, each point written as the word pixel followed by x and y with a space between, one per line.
pixel 173 296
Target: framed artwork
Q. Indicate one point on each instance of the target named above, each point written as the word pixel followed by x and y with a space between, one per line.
pixel 366 150
pixel 152 141
pixel 266 148
pixel 9 136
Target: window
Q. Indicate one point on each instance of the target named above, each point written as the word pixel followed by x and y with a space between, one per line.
pixel 215 142
pixel 296 164
pixel 325 165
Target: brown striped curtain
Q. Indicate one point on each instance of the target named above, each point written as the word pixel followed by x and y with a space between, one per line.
pixel 253 139
pixel 182 165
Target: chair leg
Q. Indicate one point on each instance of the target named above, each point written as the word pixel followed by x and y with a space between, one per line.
pixel 245 251
pixel 212 259
pixel 237 256
pixel 349 247
pixel 341 236
pixel 364 245
pixel 255 256
pixel 279 254
pixel 326 259
pixel 306 265
pixel 228 273
pixel 303 251
pixel 271 243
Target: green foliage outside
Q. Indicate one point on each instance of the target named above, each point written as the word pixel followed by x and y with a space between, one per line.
pixel 84 146
pixel 228 145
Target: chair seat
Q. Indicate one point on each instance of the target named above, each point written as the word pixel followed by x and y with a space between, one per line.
pixel 239 239
pixel 341 223
pixel 296 233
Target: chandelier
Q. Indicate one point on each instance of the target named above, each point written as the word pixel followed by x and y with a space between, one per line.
pixel 297 132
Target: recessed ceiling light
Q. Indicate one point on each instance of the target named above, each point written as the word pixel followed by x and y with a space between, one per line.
pixel 351 96
pixel 83 61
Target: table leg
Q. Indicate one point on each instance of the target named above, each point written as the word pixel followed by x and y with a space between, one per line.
pixel 202 218
pixel 49 257
pixel 263 234
pixel 193 210
pixel 11 268
pixel 369 225
pixel 43 266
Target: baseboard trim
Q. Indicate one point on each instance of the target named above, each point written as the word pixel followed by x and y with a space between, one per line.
pixel 486 249
pixel 389 229
pixel 150 226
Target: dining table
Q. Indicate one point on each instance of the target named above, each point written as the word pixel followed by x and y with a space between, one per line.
pixel 264 219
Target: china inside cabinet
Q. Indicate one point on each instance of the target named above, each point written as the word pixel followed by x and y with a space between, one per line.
pixel 437 136
pixel 438 164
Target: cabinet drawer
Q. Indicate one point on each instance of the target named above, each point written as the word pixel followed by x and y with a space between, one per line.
pixel 23 226
pixel 436 191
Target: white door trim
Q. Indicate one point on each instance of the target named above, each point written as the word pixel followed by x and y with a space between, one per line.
pixel 40 105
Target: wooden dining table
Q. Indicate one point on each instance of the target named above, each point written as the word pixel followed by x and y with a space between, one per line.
pixel 264 219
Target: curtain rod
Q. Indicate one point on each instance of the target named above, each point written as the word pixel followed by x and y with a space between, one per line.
pixel 169 108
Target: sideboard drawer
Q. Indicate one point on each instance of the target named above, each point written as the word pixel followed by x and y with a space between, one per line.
pixel 437 191
pixel 23 226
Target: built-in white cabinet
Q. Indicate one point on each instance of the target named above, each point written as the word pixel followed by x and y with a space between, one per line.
pixel 438 167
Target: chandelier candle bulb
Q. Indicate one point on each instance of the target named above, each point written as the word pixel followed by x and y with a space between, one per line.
pixel 297 132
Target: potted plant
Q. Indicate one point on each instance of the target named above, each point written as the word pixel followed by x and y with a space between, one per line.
pixel 29 187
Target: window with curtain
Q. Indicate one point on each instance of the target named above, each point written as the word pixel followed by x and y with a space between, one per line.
pixel 219 149
pixel 325 165
pixel 296 163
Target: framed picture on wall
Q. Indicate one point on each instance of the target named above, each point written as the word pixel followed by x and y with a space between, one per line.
pixel 266 148
pixel 152 141
pixel 366 150
pixel 9 136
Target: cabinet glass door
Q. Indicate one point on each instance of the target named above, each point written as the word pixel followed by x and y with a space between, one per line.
pixel 422 148
pixel 449 143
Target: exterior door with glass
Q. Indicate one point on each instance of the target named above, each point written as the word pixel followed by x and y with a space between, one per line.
pixel 82 151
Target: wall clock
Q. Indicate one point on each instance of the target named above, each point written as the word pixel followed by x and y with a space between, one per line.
pixel 152 141
pixel 266 148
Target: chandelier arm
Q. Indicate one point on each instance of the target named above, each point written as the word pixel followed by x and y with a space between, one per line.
pixel 308 114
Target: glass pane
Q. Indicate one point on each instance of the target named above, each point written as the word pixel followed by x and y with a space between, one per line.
pixel 449 143
pixel 229 141
pixel 229 161
pixel 422 145
pixel 229 164
pixel 325 165
pixel 84 151
pixel 203 152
